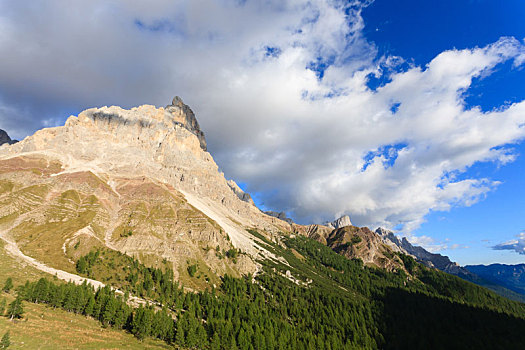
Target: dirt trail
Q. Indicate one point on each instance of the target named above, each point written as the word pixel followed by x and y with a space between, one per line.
pixel 12 249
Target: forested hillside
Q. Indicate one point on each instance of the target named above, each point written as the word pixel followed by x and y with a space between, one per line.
pixel 314 299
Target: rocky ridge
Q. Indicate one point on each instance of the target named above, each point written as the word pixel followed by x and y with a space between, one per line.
pixel 4 138
pixel 429 259
pixel 354 243
pixel 279 215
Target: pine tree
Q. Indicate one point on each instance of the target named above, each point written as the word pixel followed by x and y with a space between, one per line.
pixel 141 324
pixel 242 341
pixel 15 309
pixel 5 342
pixel 108 314
pixel 2 306
pixel 8 285
pixel 180 337
pixel 215 341
pixel 88 310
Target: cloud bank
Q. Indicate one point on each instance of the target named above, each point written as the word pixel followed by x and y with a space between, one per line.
pixel 282 91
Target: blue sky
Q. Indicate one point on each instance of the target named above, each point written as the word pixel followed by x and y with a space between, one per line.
pixel 420 30
pixel 404 114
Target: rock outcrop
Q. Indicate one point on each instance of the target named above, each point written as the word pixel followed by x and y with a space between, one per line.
pixel 243 196
pixel 4 138
pixel 183 114
pixel 341 222
pixel 279 215
pixel 354 243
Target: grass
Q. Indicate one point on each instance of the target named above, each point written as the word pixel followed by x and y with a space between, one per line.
pixel 43 327
pixel 19 271
pixel 46 328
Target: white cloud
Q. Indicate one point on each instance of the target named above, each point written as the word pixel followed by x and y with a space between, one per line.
pixel 315 147
pixel 517 245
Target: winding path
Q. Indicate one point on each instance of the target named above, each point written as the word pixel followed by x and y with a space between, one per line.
pixel 12 249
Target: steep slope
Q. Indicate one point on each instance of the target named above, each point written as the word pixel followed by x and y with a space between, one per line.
pixel 138 181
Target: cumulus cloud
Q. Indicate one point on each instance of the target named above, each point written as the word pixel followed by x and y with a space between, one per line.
pixel 517 245
pixel 280 89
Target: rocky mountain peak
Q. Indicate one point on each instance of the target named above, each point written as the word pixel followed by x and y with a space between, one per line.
pixel 185 116
pixel 341 222
pixel 4 138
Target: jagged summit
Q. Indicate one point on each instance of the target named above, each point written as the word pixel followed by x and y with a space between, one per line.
pixel 184 115
pixel 341 222
pixel 4 138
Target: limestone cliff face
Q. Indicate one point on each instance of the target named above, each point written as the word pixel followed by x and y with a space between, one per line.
pixel 145 182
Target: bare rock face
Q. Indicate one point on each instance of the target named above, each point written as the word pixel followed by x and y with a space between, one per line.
pixel 279 215
pixel 243 196
pixel 4 138
pixel 341 222
pixel 185 116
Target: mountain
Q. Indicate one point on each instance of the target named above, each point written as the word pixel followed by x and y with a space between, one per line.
pixel 122 216
pixel 4 138
pixel 138 181
pixel 437 261
pixel 280 215
pixel 355 242
pixel 508 276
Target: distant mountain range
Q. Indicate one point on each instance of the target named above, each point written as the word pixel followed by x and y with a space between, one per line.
pixel 509 276
pixel 506 280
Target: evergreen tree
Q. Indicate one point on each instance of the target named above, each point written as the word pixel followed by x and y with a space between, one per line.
pixel 108 312
pixel 8 285
pixel 215 342
pixel 2 306
pixel 180 337
pixel 15 309
pixel 141 324
pixel 90 305
pixel 242 341
pixel 5 342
